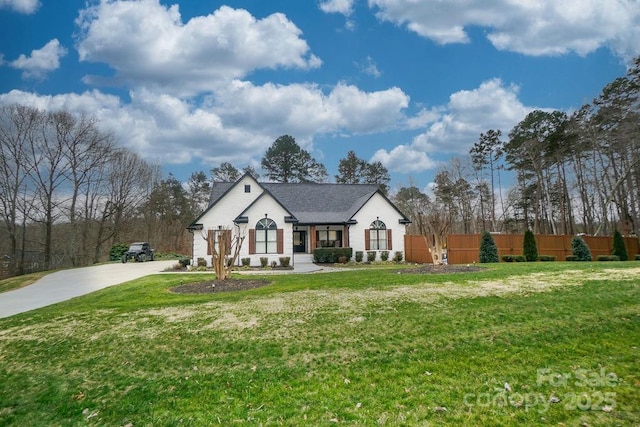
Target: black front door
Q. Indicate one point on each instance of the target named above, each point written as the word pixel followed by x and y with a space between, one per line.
pixel 299 241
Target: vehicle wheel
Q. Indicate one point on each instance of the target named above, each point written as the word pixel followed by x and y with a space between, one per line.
pixel 142 257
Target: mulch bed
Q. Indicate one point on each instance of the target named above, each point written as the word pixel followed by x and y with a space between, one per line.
pixel 228 285
pixel 231 285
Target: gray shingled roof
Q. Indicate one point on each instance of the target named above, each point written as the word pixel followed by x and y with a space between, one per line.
pixel 312 203
pixel 321 203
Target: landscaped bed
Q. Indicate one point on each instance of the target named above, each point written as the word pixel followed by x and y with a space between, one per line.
pixel 512 344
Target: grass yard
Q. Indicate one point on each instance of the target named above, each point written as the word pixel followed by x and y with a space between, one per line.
pixel 516 344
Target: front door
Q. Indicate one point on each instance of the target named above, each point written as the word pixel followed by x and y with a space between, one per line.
pixel 299 241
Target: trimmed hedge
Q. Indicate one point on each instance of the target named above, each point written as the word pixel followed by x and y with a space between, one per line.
pixel 285 261
pixel 513 258
pixel 331 255
pixel 546 258
pixel 608 258
pixel 637 257
pixel 571 258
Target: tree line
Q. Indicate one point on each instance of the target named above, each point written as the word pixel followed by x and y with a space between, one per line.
pixel 69 193
pixel 573 173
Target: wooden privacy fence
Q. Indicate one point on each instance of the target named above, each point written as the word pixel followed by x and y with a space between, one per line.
pixel 464 248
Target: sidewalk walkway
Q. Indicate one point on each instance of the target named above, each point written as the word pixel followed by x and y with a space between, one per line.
pixel 302 263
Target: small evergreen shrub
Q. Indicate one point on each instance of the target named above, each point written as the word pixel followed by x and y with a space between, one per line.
pixel 184 262
pixel 331 255
pixel 285 261
pixel 608 258
pixel 274 264
pixel 397 256
pixel 117 251
pixel 513 258
pixel 571 258
pixel 202 262
pixel 384 255
pixel 359 256
pixel 619 248
pixel 637 257
pixel 580 249
pixel 342 260
pixel 488 248
pixel 264 262
pixel 371 256
pixel 246 262
pixel 529 247
pixel 547 258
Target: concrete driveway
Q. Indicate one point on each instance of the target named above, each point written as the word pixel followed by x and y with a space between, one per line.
pixel 67 284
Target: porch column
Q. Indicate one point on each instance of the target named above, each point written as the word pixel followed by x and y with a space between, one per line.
pixel 312 238
pixel 345 236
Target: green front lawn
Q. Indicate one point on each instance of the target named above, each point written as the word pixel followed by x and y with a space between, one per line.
pixel 370 347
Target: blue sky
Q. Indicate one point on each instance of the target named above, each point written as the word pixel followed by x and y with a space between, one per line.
pixel 191 84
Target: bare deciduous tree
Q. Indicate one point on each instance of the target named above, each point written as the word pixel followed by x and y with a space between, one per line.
pixel 224 248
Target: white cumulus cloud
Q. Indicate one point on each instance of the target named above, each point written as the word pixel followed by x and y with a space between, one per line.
pixel 41 61
pixel 147 44
pixel 344 7
pixel 455 127
pixel 232 125
pixel 21 6
pixel 543 27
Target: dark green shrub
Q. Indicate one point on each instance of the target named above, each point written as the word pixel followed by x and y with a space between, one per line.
pixel 488 248
pixel 285 261
pixel 547 258
pixel 384 255
pixel 513 258
pixel 331 255
pixel 371 256
pixel 571 258
pixel 117 251
pixel 202 262
pixel 359 256
pixel 608 258
pixel 397 256
pixel 580 249
pixel 246 262
pixel 529 247
pixel 637 257
pixel 619 248
pixel 264 261
pixel 184 262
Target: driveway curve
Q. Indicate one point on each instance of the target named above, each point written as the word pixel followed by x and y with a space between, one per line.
pixel 67 284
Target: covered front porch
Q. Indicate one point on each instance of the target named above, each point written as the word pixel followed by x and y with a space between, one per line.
pixel 306 238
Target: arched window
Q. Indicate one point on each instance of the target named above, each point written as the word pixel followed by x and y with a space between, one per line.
pixel 266 236
pixel 378 236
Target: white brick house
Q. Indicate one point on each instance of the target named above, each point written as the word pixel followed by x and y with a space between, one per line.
pixel 281 220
